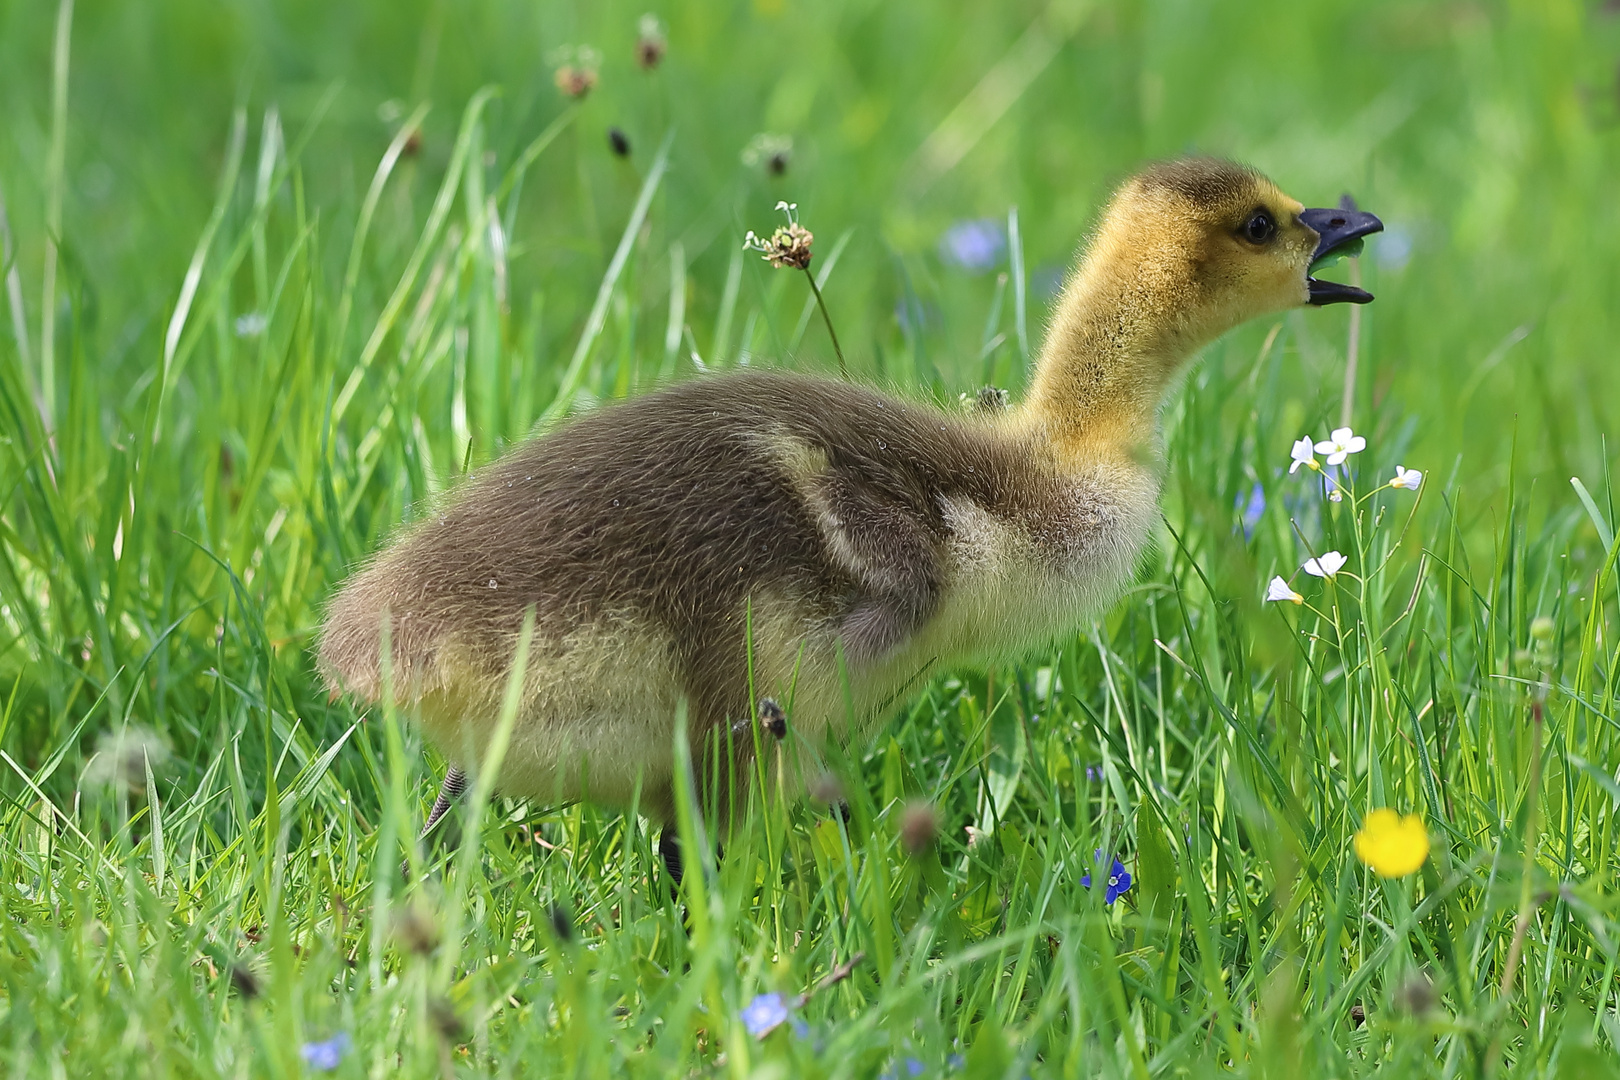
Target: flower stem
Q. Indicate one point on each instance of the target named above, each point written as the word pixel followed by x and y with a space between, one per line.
pixel 1381 487
pixel 1352 349
pixel 843 369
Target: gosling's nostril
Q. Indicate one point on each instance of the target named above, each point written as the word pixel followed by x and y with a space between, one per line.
pixel 1336 222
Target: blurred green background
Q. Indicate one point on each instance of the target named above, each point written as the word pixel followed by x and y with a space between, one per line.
pixel 256 371
pixel 1484 134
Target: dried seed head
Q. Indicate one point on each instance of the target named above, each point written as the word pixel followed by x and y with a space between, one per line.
pixel 919 828
pixel 990 400
pixel 575 82
pixel 562 923
pixel 576 69
pixel 416 930
pixel 772 719
pixel 651 44
pixel 826 788
pixel 1416 996
pixel 442 1015
pixel 1358 1015
pixel 773 153
pixel 788 247
pixel 123 756
pixel 649 53
pixel 619 142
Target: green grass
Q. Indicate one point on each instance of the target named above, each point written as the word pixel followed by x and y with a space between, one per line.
pixel 173 520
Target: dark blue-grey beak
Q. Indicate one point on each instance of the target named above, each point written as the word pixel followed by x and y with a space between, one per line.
pixel 1335 229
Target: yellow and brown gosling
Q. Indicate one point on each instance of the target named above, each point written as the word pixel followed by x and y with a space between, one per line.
pixel 843 525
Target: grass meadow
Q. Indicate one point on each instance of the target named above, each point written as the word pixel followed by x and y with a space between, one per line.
pixel 276 274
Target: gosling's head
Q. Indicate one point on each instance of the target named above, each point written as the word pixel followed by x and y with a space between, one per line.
pixel 1218 244
pixel 1185 251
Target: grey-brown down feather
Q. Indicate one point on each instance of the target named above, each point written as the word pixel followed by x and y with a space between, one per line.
pixel 675 508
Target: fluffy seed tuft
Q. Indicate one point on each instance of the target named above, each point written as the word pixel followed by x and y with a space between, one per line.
pixel 651 44
pixel 416 930
pixel 919 828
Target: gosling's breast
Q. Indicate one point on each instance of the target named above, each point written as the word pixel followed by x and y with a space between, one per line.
pixel 1020 576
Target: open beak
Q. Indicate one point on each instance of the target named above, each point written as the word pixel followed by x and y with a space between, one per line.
pixel 1334 229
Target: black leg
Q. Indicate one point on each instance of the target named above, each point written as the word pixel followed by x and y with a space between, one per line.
pixel 669 847
pixel 453 788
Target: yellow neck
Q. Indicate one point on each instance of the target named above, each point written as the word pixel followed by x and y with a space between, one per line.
pixel 1116 343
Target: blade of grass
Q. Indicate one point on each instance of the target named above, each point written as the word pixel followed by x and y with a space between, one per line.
pixel 568 383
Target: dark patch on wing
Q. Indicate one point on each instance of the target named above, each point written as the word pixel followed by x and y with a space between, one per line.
pixel 672 507
pixel 894 553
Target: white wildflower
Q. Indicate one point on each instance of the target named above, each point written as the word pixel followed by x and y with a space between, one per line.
pixel 1279 589
pixel 1325 566
pixel 1406 478
pixel 1340 445
pixel 1301 453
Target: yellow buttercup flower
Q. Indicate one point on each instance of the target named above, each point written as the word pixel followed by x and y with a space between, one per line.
pixel 1394 846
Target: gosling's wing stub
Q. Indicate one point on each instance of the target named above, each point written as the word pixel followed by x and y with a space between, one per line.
pixel 676 507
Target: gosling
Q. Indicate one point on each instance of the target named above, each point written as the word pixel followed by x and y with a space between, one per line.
pixel 768 535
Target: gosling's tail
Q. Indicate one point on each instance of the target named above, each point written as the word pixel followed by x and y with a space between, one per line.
pixel 382 603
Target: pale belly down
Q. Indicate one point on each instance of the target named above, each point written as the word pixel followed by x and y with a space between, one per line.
pixel 599 714
pixel 596 719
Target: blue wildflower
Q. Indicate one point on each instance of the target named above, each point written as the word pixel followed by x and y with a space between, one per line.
pixel 905 1067
pixel 765 1014
pixel 1394 248
pixel 1119 879
pixel 974 246
pixel 1250 511
pixel 324 1056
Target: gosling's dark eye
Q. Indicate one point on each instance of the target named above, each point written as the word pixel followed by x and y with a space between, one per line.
pixel 1260 227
